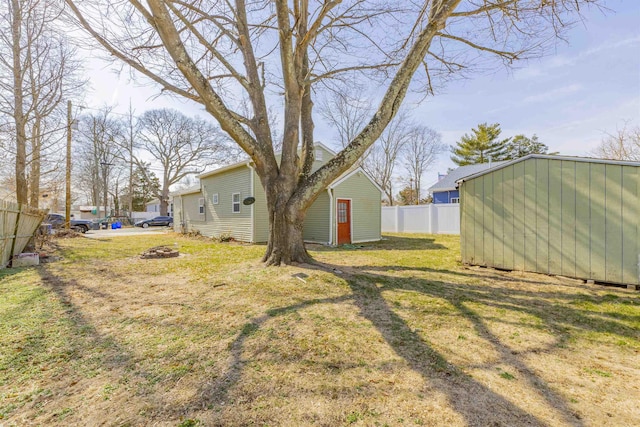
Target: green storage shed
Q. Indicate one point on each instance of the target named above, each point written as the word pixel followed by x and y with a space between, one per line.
pixel 570 216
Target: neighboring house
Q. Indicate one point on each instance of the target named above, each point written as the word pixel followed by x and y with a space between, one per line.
pixel 348 211
pixel 154 206
pixel 90 212
pixel 446 190
pixel 571 216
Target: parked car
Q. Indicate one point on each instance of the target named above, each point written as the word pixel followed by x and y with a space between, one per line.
pixel 166 221
pixel 58 220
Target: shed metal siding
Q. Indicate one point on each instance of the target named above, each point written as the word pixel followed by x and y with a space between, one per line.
pixel 366 209
pixel 554 216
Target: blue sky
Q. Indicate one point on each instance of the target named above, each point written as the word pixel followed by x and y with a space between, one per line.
pixel 570 98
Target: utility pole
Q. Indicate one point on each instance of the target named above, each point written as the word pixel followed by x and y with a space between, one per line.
pixel 130 162
pixel 67 207
pixel 105 173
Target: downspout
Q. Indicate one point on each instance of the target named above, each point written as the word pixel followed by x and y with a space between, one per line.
pixel 330 191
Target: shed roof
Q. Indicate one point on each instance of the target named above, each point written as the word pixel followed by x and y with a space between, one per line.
pixel 448 183
pixel 550 157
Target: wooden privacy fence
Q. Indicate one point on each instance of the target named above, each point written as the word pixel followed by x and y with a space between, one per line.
pixel 18 224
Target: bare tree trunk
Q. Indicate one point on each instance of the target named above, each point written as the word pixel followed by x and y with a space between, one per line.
pixel 105 191
pixel 286 243
pixel 35 164
pixel 18 112
pixel 164 198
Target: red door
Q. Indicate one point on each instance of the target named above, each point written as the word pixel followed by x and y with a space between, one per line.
pixel 344 221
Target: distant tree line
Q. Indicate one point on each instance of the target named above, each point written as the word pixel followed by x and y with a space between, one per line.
pixel 124 162
pixel 484 144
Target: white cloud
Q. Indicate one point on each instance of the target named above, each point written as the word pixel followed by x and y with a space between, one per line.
pixel 553 94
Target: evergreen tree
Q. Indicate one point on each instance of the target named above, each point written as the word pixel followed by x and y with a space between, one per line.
pixel 521 146
pixel 146 187
pixel 481 146
pixel 407 196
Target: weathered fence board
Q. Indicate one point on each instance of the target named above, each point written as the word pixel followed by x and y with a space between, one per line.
pixel 17 225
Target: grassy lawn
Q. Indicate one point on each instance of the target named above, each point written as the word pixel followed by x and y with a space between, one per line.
pixel 395 333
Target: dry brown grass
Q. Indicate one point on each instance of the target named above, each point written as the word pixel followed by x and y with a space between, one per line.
pixel 399 335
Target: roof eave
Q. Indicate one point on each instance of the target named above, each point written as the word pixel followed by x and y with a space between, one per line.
pixel 549 157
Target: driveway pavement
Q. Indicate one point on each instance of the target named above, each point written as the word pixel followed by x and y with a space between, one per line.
pixel 128 231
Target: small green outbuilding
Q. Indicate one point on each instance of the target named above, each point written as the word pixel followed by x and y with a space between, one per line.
pixel 570 216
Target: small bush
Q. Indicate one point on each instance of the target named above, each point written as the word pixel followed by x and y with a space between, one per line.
pixel 226 237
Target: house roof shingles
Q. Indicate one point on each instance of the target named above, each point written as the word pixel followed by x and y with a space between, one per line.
pixel 448 183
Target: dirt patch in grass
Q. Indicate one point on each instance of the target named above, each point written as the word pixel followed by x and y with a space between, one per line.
pixel 402 335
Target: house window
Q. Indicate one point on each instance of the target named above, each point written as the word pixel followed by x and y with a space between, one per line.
pixel 235 203
pixel 214 198
pixel 455 200
pixel 201 206
pixel 319 155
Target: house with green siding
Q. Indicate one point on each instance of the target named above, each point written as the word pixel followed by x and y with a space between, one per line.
pixel 569 216
pixel 348 211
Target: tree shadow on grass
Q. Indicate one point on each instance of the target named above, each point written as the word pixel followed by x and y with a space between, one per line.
pixel 478 404
pixel 393 243
pixel 91 350
pixel 474 401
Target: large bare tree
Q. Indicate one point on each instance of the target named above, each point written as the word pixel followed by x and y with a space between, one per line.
pixel 37 69
pixel 98 154
pixel 383 156
pixel 181 145
pixel 624 144
pixel 420 152
pixel 227 55
pixel 347 112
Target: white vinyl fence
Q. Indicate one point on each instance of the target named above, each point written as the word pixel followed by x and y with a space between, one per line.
pixel 441 218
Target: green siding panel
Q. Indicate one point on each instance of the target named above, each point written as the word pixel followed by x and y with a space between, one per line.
pixel 478 221
pixel 598 222
pixel 316 223
pixel 568 219
pixel 613 219
pixel 579 219
pixel 519 228
pixel 191 213
pixel 583 220
pixel 219 218
pixel 260 212
pixel 508 228
pixel 366 205
pixel 530 215
pixel 542 215
pixel 464 223
pixel 498 219
pixel 487 219
pixel 555 217
pixel 631 225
